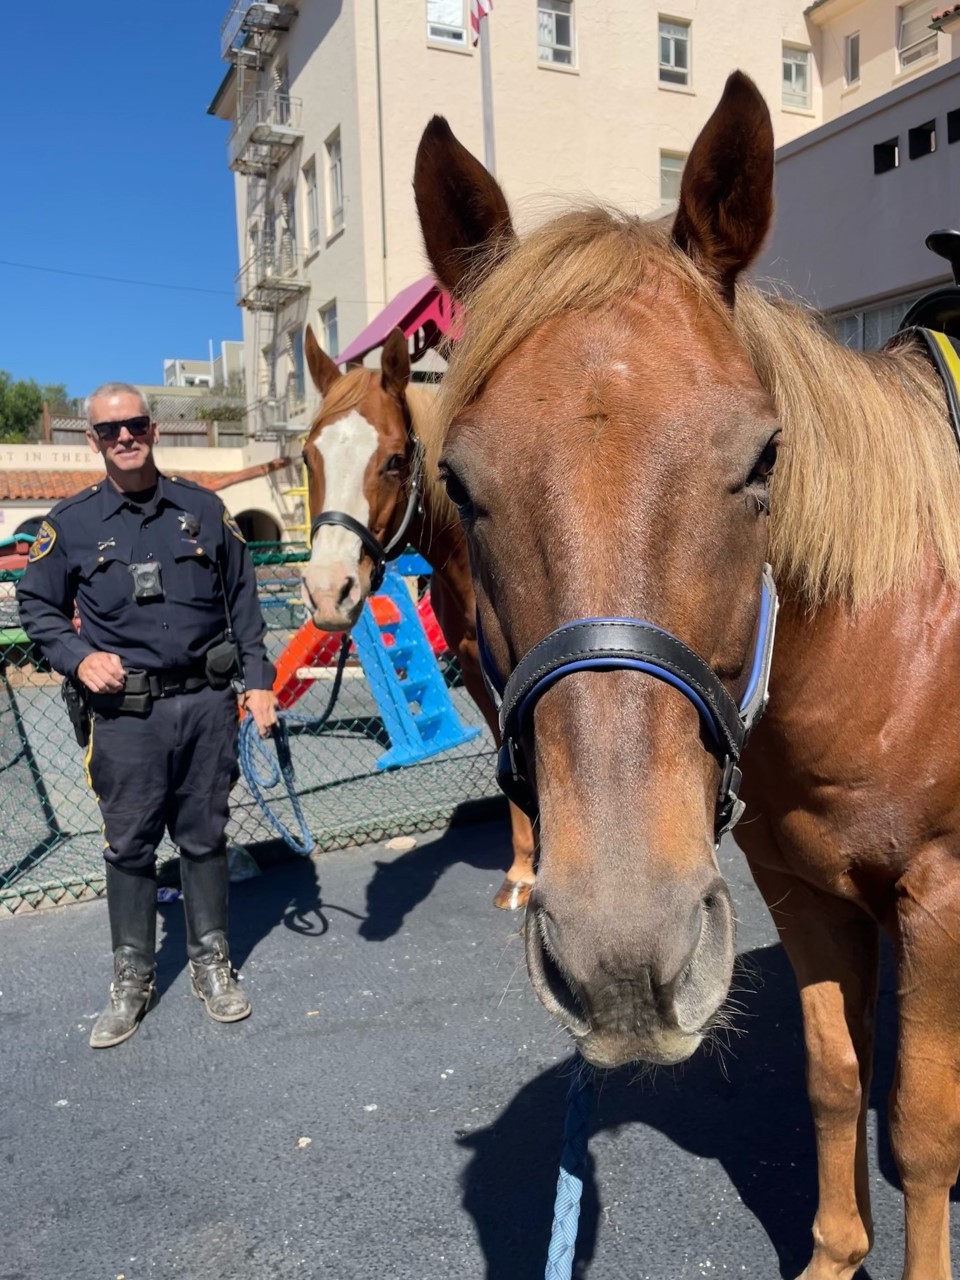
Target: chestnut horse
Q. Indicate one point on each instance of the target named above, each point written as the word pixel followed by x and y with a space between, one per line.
pixel 361 454
pixel 612 418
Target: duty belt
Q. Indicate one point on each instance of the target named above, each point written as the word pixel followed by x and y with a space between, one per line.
pixel 142 688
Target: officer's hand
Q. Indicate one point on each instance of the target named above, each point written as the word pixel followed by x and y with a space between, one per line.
pixel 101 673
pixel 262 705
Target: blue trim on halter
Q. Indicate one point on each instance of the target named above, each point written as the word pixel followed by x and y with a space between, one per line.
pixel 621 664
pixel 756 671
pixel 487 663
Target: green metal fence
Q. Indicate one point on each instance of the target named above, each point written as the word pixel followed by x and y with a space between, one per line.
pixel 50 834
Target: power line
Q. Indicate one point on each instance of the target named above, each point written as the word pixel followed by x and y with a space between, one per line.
pixel 153 284
pixel 89 275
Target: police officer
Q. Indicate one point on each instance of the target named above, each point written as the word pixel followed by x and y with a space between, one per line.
pixel 147 558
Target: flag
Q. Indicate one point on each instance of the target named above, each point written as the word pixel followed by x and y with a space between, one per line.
pixel 478 9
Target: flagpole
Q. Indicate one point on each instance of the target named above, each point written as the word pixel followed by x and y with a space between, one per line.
pixel 486 94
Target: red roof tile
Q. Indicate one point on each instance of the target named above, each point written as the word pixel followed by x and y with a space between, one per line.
pixel 21 485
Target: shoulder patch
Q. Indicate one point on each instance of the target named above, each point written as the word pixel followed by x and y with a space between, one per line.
pixel 42 543
pixel 232 525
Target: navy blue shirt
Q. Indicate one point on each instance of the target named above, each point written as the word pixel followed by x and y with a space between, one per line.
pixel 83 553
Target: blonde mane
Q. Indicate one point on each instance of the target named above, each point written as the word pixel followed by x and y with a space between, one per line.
pixel 869 477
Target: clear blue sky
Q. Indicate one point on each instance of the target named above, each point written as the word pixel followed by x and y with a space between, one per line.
pixel 111 167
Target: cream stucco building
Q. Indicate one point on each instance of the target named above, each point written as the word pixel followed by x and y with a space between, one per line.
pixel 327 100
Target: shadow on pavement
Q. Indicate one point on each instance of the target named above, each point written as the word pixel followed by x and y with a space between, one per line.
pixel 754 1120
pixel 398 886
pixel 287 895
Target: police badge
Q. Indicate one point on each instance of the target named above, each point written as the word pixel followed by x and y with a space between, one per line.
pixel 189 524
pixel 42 543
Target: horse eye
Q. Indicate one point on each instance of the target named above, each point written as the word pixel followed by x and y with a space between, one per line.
pixel 456 491
pixel 392 464
pixel 763 467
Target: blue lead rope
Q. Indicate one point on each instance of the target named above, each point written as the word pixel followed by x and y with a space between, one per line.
pixel 250 744
pixel 566 1211
pixel 277 767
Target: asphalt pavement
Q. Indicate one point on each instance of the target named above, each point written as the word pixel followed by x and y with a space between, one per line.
pixel 394 1107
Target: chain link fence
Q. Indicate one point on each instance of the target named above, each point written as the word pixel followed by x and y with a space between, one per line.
pixel 51 842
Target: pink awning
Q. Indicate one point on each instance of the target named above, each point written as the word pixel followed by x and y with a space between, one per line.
pixel 422 311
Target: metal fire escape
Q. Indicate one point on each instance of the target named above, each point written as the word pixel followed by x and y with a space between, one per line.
pixel 265 133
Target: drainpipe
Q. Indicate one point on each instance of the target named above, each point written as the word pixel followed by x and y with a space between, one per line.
pixel 383 189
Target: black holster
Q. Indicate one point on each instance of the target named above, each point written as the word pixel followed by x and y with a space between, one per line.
pixel 74 697
pixel 222 664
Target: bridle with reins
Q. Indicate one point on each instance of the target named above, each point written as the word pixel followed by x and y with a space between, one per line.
pixel 379 553
pixel 631 644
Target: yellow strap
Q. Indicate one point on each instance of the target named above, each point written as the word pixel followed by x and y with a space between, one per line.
pixel 949 355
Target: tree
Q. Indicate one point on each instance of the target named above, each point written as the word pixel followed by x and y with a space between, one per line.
pixel 21 406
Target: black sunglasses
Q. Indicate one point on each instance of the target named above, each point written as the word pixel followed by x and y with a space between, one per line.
pixel 110 431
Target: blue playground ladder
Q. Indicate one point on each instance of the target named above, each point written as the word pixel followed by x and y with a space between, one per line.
pixel 405 679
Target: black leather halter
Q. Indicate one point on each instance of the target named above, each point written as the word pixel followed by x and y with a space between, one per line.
pixel 605 644
pixel 374 548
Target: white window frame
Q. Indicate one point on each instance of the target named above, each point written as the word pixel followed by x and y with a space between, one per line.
pixel 671 156
pixel 333 153
pixel 669 72
pixel 326 314
pixel 918 48
pixel 806 62
pixel 449 35
pixel 851 42
pixel 311 199
pixel 549 51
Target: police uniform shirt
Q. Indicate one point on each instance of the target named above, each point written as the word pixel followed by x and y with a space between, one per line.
pixel 83 553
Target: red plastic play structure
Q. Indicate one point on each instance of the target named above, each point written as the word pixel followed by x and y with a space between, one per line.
pixel 310 647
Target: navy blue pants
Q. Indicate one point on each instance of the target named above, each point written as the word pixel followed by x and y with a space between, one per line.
pixel 170 769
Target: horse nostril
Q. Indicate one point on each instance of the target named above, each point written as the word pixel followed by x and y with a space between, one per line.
pixel 550 983
pixel 346 590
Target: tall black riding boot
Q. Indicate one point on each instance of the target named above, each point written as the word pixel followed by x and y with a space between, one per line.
pixel 132 907
pixel 205 883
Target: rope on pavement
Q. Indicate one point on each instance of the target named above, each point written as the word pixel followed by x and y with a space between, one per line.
pixel 566 1212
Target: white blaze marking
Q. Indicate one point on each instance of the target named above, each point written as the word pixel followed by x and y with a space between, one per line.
pixel 346 448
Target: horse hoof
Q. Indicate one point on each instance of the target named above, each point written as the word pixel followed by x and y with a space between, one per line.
pixel 512 895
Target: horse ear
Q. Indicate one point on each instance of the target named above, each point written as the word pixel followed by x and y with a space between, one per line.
pixel 464 215
pixel 395 364
pixel 322 369
pixel 726 193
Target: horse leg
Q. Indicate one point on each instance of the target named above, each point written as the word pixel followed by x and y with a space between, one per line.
pixel 519 880
pixel 833 948
pixel 925 1100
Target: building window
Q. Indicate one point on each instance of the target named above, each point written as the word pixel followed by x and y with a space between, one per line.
pixel 555 32
pixel 288 219
pixel 851 58
pixel 922 140
pixel 886 155
pixel 796 77
pixel 295 348
pixel 671 170
pixel 334 184
pixel 870 328
pixel 313 204
pixel 328 324
pixel 446 22
pixel 915 40
pixel 674 52
pixel 953 126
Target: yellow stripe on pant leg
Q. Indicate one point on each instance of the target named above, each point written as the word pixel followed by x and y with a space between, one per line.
pixel 87 757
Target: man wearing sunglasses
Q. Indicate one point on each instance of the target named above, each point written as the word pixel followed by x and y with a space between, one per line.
pixel 170 629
